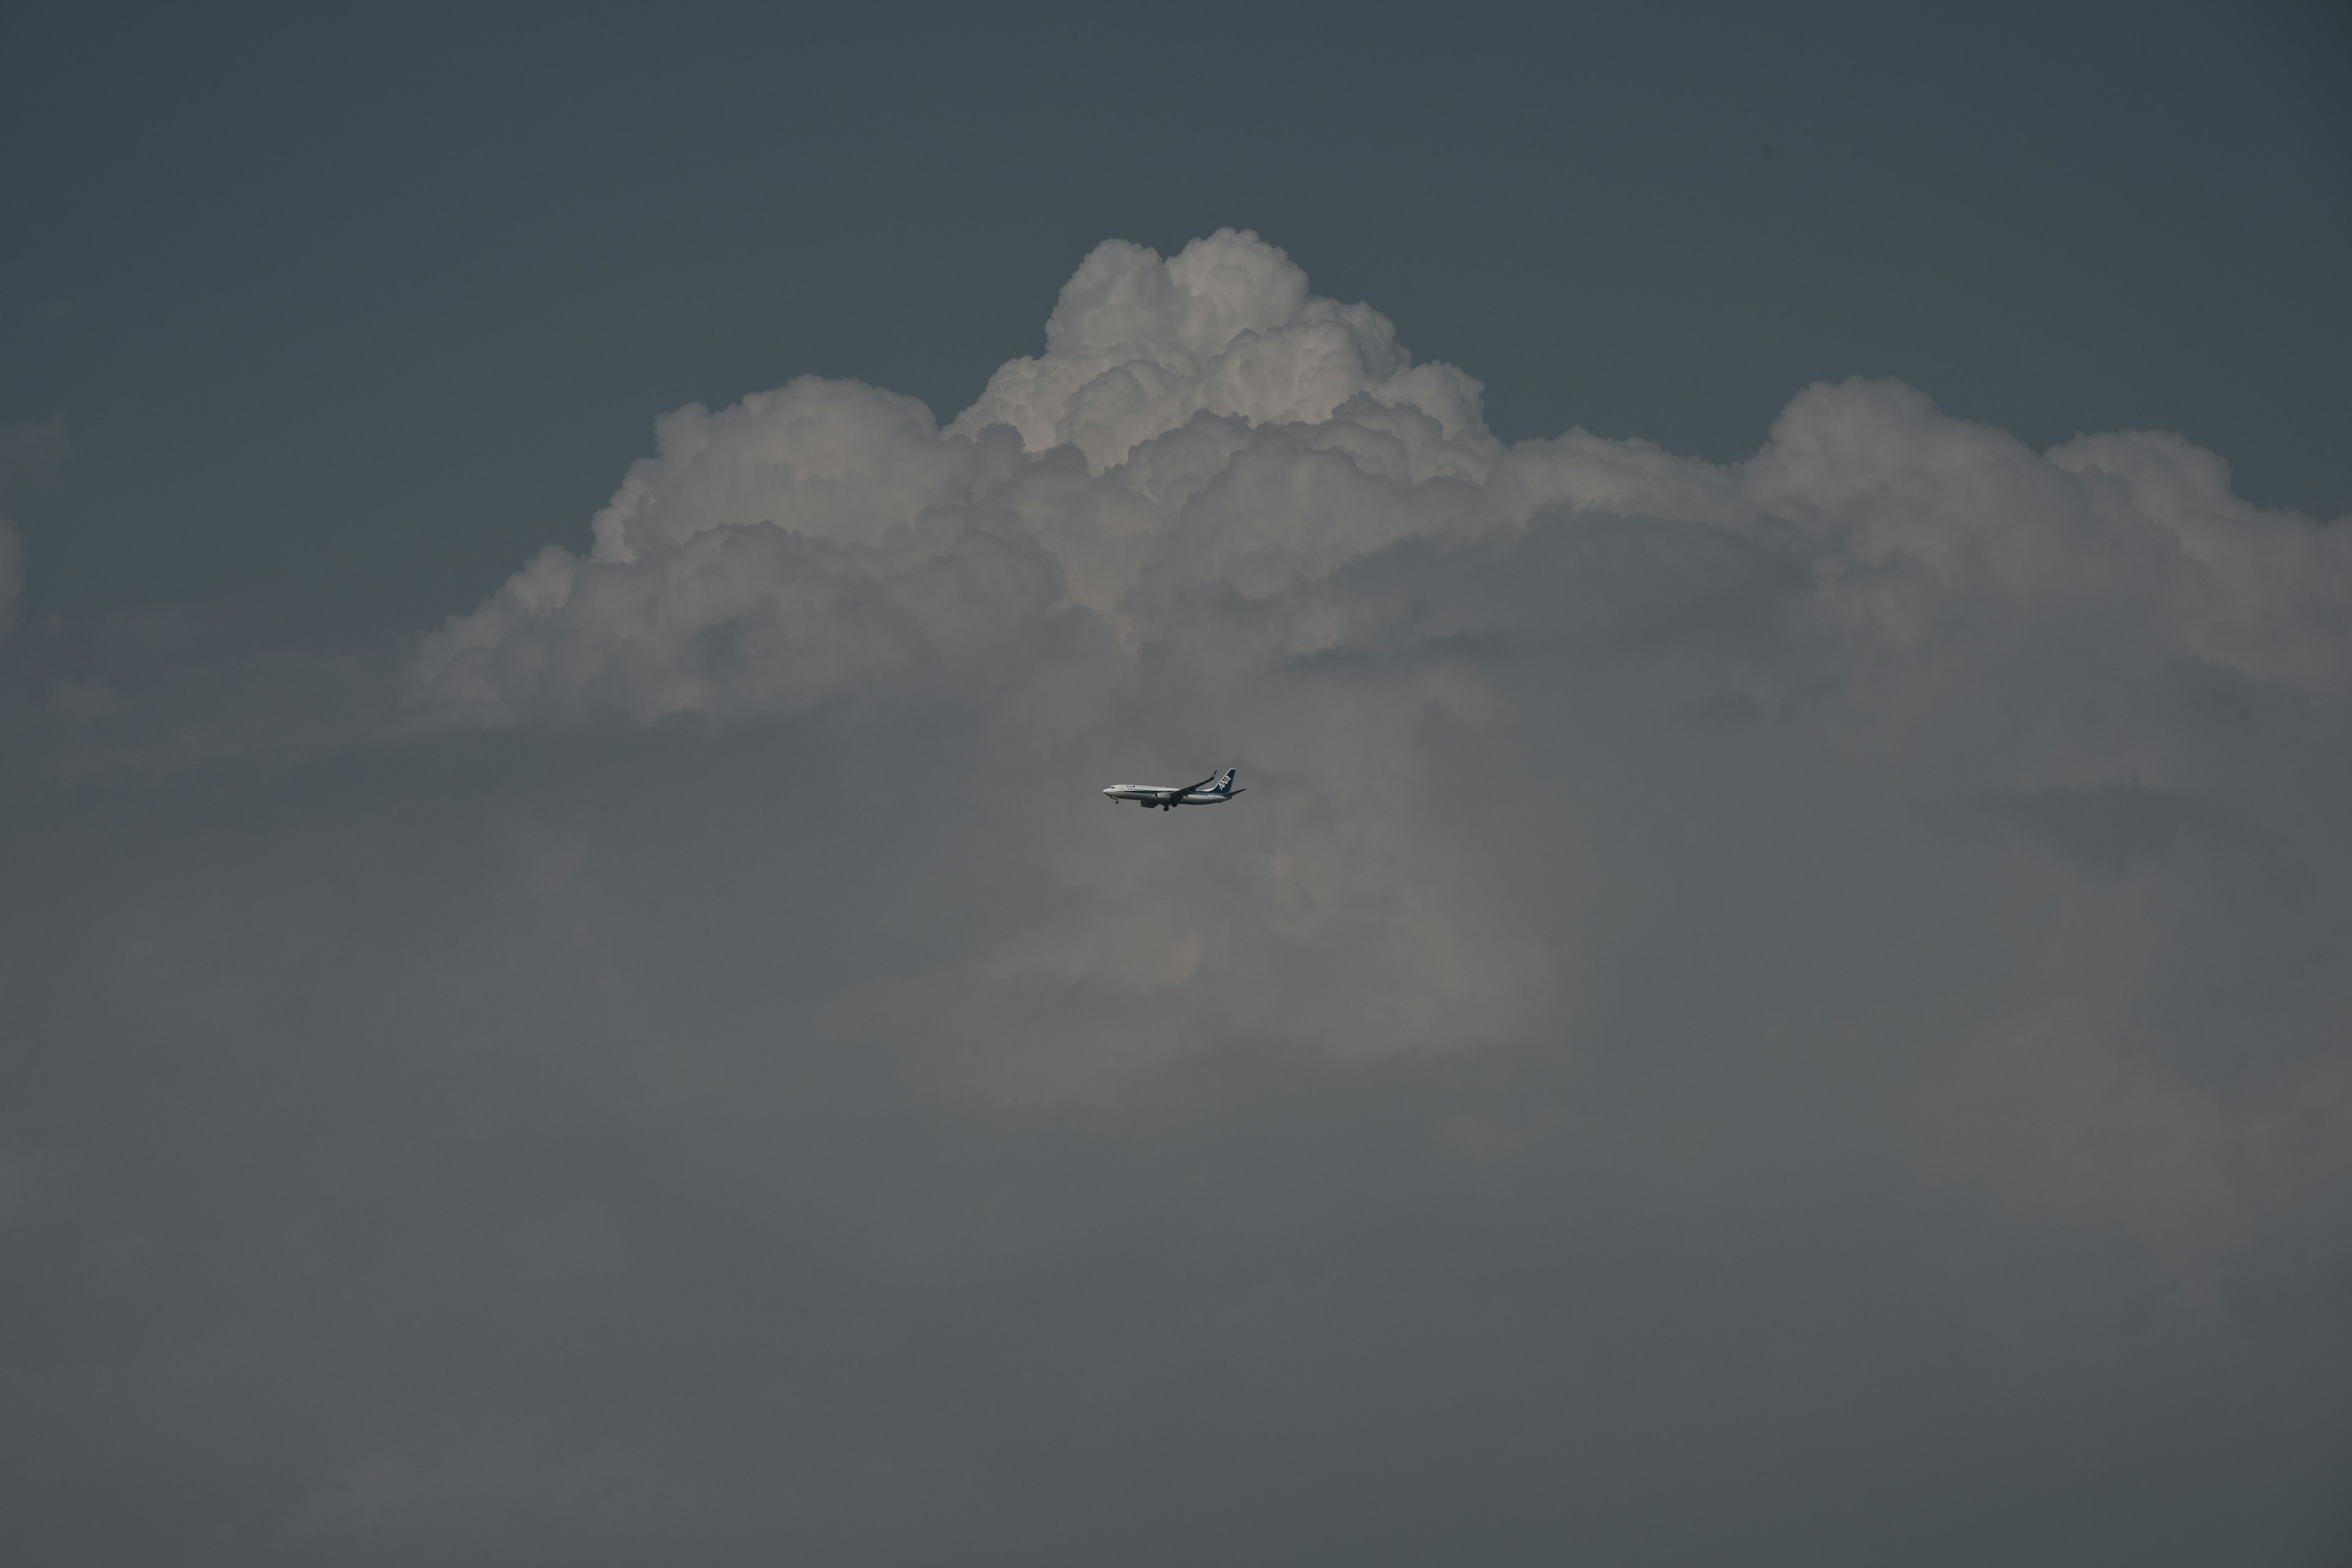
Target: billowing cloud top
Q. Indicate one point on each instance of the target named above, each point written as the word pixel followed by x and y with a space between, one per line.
pixel 1206 424
pixel 1137 346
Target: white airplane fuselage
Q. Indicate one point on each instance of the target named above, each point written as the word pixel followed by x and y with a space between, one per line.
pixel 1169 796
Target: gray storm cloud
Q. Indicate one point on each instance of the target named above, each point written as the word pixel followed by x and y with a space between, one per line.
pixel 1784 1009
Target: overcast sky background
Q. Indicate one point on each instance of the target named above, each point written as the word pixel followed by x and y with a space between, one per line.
pixel 568 578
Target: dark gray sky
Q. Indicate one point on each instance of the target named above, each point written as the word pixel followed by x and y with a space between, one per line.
pixel 1779 992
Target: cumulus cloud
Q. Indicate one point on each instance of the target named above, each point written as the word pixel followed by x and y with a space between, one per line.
pixel 1204 424
pixel 1221 499
pixel 1792 1002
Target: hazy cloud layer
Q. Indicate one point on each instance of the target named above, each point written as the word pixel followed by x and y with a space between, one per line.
pixel 1789 1010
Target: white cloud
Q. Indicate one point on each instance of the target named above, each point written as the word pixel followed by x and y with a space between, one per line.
pixel 1138 347
pixel 1206 425
pixel 1226 494
pixel 1561 738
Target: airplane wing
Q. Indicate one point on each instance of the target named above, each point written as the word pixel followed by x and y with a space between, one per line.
pixel 1188 789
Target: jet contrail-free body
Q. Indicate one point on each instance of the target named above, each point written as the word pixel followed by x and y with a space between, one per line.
pixel 1210 791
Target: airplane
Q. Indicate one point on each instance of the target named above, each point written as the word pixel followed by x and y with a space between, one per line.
pixel 1220 791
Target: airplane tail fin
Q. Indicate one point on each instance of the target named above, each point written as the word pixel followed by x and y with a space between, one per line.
pixel 1225 784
